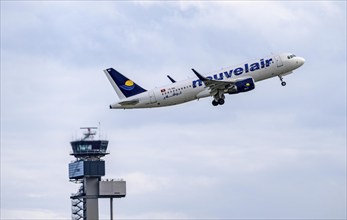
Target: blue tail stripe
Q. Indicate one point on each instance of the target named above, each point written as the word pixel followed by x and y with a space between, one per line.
pixel 127 86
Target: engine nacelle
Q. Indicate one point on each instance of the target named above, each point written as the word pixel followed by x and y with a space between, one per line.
pixel 242 86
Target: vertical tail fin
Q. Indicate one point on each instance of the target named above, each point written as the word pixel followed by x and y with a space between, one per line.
pixel 123 86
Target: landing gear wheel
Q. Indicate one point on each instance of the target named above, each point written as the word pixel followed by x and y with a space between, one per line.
pixel 214 103
pixel 282 82
pixel 221 101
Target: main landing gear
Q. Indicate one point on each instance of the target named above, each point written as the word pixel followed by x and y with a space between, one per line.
pixel 219 102
pixel 282 82
pixel 218 98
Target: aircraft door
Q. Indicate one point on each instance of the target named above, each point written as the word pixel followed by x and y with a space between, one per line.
pixel 278 61
pixel 152 98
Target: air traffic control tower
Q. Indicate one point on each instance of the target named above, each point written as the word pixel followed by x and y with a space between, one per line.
pixel 87 170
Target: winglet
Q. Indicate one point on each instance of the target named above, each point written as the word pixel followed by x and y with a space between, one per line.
pixel 171 79
pixel 202 78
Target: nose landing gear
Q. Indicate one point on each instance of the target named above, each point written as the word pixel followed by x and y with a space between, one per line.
pixel 282 82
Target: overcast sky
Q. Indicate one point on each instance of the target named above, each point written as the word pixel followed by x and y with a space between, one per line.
pixel 275 152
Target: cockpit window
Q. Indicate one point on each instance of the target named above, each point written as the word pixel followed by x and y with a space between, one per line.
pixel 291 56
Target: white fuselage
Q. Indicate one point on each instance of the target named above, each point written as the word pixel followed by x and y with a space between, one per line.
pixel 193 88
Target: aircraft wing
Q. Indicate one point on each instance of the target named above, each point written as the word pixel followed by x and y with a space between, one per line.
pixel 215 86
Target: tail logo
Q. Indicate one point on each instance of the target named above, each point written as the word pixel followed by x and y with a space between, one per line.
pixel 129 85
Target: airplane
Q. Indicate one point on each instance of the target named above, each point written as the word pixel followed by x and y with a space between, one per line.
pixel 231 80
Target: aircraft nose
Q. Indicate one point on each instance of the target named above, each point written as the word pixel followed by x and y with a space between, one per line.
pixel 300 61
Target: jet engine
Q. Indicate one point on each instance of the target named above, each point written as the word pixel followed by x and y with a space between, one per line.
pixel 244 85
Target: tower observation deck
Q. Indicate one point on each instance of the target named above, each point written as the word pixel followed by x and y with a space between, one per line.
pixel 87 170
pixel 87 147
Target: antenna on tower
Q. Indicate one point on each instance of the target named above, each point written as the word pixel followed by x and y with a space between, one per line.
pixel 99 130
pixel 89 134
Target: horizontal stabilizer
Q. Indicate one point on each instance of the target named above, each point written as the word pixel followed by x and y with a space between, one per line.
pixel 131 102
